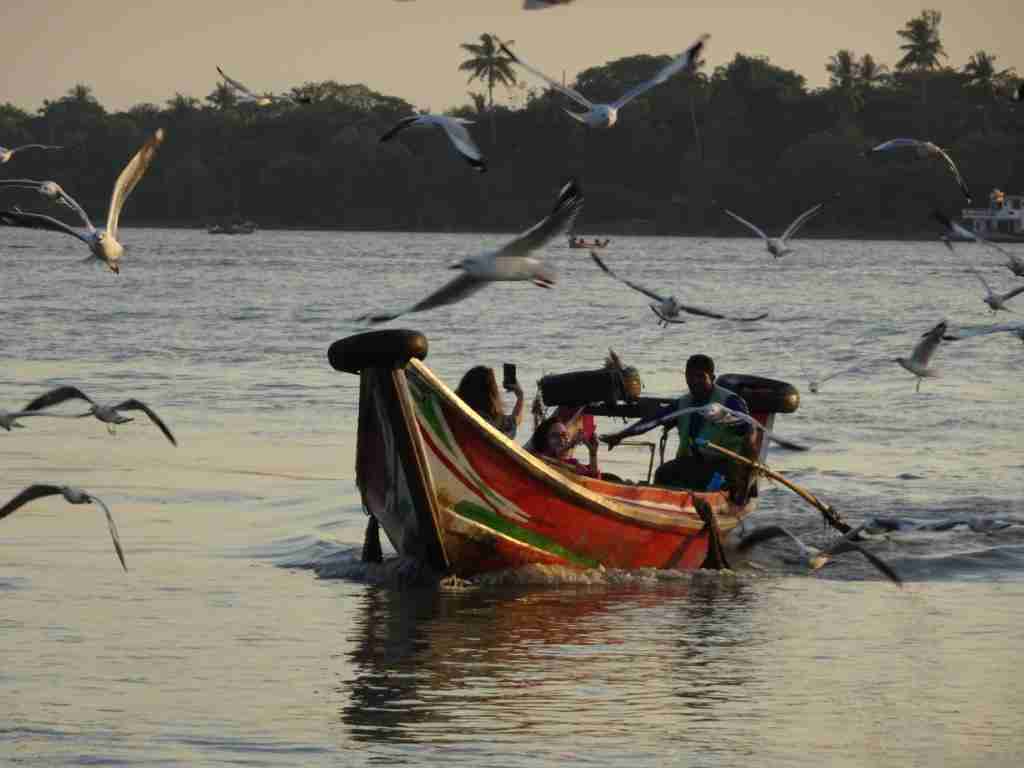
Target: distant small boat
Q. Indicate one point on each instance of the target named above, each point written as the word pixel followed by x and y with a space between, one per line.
pixel 1001 222
pixel 579 242
pixel 235 228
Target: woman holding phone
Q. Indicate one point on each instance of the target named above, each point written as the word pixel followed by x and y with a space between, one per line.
pixel 479 389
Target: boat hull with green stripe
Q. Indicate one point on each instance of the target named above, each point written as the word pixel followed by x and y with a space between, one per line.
pixel 451 490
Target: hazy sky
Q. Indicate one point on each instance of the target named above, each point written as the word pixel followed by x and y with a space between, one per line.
pixel 132 54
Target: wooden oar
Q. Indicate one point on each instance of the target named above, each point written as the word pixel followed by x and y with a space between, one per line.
pixel 832 517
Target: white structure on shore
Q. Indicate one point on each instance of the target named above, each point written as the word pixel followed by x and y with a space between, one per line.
pixel 1004 217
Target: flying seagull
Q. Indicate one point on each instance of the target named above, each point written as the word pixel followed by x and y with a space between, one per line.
pixel 242 94
pixel 510 262
pixel 918 361
pixel 536 5
pixel 72 495
pixel 779 246
pixel 668 309
pixel 924 149
pixel 954 230
pixel 455 130
pixel 711 411
pixel 995 301
pixel 967 332
pixel 6 154
pixel 605 115
pixel 102 242
pixel 109 414
pixel 815 558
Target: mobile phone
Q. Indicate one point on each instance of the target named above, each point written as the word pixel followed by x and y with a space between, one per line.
pixel 509 381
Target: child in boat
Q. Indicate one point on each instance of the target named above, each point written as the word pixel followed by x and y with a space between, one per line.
pixel 555 439
pixel 479 390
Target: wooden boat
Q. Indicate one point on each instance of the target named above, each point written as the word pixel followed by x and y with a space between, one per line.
pixel 451 490
pixel 579 242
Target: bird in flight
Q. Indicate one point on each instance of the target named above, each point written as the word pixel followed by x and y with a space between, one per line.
pixel 605 115
pixel 74 496
pixel 7 153
pixel 815 558
pixel 510 262
pixel 102 242
pixel 109 414
pixel 668 308
pixel 453 127
pixel 924 150
pixel 779 246
pixel 918 362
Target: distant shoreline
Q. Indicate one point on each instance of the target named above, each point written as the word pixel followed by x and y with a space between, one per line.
pixel 923 235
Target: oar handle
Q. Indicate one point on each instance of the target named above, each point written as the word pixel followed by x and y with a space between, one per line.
pixel 831 516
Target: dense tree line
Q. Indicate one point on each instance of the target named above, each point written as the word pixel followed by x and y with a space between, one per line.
pixel 749 135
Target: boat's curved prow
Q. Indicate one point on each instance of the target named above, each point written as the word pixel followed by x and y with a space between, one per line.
pixel 389 349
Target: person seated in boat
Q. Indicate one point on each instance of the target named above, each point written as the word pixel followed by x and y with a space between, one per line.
pixel 556 439
pixel 692 468
pixel 479 390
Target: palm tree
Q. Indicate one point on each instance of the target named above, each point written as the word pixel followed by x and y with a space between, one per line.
pixel 923 47
pixel 488 64
pixel 870 72
pixel 982 76
pixel 844 76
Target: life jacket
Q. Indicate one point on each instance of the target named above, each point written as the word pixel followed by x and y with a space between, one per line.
pixel 721 434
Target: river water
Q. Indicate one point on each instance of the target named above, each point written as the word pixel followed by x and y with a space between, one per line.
pixel 246 631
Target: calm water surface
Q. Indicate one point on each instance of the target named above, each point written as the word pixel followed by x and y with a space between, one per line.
pixel 247 632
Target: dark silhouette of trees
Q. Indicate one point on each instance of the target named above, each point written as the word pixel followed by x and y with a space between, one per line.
pixel 488 64
pixel 749 136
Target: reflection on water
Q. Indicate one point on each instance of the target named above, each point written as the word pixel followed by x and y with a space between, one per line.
pixel 245 632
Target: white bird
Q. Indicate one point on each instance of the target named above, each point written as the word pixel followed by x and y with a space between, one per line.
pixel 510 262
pixel 815 558
pixel 966 332
pixel 72 495
pixel 455 130
pixel 6 154
pixel 244 95
pixel 109 414
pixel 954 230
pixel 535 5
pixel 711 411
pixel 605 115
pixel 925 149
pixel 668 309
pixel 779 246
pixel 995 301
pixel 918 361
pixel 815 383
pixel 102 242
pixel 48 189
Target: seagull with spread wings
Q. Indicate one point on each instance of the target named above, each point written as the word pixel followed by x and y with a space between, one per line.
pixel 510 262
pixel 779 246
pixel 109 414
pixel 967 332
pixel 244 95
pixel 453 127
pixel 7 153
pixel 995 301
pixel 71 494
pixel 1013 263
pixel 605 115
pixel 815 558
pixel 924 150
pixel 102 242
pixel 668 308
pixel 918 362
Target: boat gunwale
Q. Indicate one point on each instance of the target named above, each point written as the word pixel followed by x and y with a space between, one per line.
pixel 679 521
